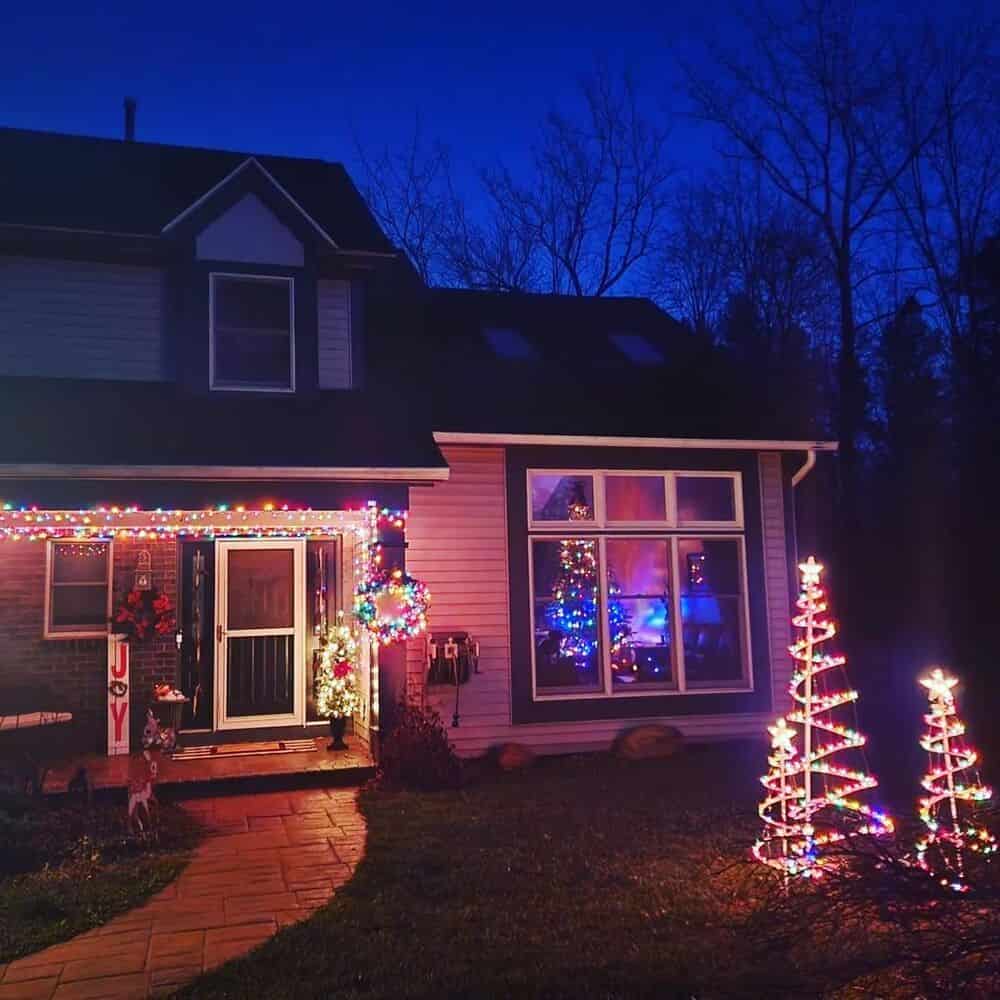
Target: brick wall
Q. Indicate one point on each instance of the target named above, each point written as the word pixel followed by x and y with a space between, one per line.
pixel 75 670
pixel 151 660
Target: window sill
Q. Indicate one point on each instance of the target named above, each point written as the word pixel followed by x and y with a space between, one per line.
pixel 647 692
pixel 47 636
pixel 287 390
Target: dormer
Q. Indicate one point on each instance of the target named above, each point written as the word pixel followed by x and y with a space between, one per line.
pixel 223 271
pixel 259 304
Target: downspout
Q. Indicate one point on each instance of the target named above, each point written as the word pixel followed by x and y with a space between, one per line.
pixel 797 478
pixel 807 467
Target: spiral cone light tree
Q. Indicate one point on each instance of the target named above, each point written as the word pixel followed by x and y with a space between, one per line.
pixel 953 790
pixel 810 802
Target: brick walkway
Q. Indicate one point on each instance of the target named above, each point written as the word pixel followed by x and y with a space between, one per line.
pixel 268 861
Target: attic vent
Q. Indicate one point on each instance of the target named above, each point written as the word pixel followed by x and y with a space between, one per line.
pixel 509 344
pixel 637 349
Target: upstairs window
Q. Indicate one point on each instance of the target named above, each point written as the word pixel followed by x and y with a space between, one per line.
pixel 252 333
pixel 78 589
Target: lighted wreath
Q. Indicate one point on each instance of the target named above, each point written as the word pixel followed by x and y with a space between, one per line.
pixel 409 598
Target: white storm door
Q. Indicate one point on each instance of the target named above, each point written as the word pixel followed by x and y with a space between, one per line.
pixel 260 633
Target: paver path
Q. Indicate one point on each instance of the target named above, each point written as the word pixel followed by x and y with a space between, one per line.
pixel 267 861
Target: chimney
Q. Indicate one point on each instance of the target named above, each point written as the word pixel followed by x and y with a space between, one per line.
pixel 130 105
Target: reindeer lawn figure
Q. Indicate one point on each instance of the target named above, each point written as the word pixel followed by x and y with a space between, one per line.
pixel 157 737
pixel 140 796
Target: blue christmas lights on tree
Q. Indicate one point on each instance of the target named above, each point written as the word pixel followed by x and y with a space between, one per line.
pixel 573 613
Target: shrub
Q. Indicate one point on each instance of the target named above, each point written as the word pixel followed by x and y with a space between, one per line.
pixel 417 753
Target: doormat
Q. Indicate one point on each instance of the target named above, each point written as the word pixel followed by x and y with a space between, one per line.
pixel 264 749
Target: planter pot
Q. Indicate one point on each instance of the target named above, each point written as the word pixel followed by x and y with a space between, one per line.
pixel 338 727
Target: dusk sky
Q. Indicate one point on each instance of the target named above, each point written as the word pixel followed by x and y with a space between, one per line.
pixel 304 80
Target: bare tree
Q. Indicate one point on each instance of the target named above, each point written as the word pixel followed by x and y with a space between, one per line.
pixel 949 197
pixel 814 100
pixel 692 272
pixel 410 194
pixel 595 202
pixel 589 212
pixel 500 253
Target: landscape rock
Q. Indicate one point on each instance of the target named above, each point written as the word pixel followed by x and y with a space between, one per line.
pixel 514 757
pixel 649 742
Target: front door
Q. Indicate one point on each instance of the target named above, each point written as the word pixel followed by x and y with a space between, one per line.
pixel 260 633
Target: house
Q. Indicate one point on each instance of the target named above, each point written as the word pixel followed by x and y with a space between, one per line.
pixel 223 387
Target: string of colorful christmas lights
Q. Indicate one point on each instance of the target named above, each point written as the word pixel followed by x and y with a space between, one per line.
pixel 223 521
pixel 409 598
pixel 576 599
pixel 809 803
pixel 948 808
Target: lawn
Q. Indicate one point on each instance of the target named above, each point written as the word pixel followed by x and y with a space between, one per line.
pixel 582 877
pixel 66 867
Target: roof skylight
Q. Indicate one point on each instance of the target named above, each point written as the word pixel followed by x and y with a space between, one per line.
pixel 637 348
pixel 510 344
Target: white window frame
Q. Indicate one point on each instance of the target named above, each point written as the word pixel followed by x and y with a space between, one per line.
pixel 290 281
pixel 297 630
pixel 49 632
pixel 671 521
pixel 710 525
pixel 600 530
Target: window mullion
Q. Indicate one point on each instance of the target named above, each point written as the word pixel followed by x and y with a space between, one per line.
pixel 670 488
pixel 675 611
pixel 602 578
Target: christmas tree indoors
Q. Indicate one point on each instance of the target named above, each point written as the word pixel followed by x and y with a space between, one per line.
pixel 573 613
pixel 810 802
pixel 948 810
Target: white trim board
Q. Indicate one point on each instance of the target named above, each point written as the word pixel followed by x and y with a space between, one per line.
pixel 224 472
pixel 297 631
pixel 251 161
pixel 598 441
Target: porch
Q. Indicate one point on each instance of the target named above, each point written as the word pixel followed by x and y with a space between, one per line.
pixel 265 769
pixel 241 599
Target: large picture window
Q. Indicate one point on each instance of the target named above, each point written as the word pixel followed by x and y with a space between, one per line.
pixel 632 601
pixel 252 333
pixel 78 586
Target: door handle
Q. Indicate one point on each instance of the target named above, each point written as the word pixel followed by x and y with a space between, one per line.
pixel 218 633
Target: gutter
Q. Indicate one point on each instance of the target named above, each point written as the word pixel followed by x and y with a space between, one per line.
pixel 224 472
pixel 610 441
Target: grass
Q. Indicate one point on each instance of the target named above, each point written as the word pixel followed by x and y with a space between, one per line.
pixel 65 868
pixel 583 877
pixel 590 877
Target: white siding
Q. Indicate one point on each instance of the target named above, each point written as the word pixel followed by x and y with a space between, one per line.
pixel 457 544
pixel 334 317
pixel 776 575
pixel 251 234
pixel 76 319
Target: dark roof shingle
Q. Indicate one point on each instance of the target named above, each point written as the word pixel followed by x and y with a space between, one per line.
pixel 61 181
pixel 96 422
pixel 579 382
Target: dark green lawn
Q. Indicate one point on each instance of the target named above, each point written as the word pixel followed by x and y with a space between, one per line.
pixel 67 868
pixel 590 877
pixel 585 876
